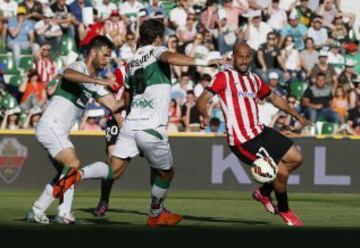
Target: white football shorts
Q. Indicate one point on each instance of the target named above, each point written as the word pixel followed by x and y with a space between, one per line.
pixel 153 143
pixel 53 136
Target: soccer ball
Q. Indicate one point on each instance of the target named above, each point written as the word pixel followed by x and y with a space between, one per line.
pixel 264 170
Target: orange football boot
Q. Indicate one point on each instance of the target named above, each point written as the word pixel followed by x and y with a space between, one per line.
pixel 165 218
pixel 69 178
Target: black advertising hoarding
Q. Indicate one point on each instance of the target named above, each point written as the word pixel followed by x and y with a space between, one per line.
pixel 202 163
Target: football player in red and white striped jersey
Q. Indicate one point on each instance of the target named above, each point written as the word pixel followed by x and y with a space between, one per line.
pixel 238 89
pixel 45 67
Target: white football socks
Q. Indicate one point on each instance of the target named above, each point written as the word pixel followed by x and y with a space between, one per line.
pixel 95 171
pixel 45 200
pixel 158 194
pixel 65 207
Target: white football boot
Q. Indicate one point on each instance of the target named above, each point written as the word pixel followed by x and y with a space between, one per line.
pixel 37 217
pixel 66 219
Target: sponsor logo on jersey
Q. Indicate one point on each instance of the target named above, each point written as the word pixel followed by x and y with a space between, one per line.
pixel 139 62
pixel 142 103
pixel 12 157
pixel 246 94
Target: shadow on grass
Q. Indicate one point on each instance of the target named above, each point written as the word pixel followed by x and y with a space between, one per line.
pixel 186 217
pixel 128 235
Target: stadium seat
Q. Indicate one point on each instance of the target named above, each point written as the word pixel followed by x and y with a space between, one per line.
pixel 16 80
pixel 168 6
pixel 26 52
pixel 117 2
pixel 67 44
pixel 328 128
pixel 3 50
pixel 297 89
pixel 325 128
pixel 22 119
pixel 8 102
pixel 10 65
pixel 27 63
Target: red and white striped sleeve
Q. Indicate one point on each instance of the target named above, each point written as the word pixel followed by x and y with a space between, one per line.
pixel 264 90
pixel 119 74
pixel 218 84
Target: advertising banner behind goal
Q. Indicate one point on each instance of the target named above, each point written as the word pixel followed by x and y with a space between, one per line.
pixel 201 163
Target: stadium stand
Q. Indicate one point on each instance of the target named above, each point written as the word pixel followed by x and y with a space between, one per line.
pixel 202 29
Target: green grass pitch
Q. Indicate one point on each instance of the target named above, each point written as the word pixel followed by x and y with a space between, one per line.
pixel 211 219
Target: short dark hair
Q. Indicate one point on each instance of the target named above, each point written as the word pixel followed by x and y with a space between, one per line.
pixel 150 30
pixel 190 92
pixel 101 41
pixel 214 122
pixel 205 77
pixel 184 74
pixel 272 33
pixel 32 73
pixel 321 74
pixel 309 38
pixel 209 3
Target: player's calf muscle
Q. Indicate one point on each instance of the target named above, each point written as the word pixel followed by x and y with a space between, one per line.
pixel 118 167
pixel 68 158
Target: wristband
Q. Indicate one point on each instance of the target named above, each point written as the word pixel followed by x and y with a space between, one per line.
pixel 201 62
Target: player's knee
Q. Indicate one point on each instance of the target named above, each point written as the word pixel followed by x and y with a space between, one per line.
pixel 167 175
pixel 297 160
pixel 283 173
pixel 75 163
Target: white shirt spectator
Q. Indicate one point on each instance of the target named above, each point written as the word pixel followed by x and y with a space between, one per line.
pixel 257 36
pixel 126 52
pixel 105 10
pixel 285 4
pixel 262 3
pixel 292 59
pixel 8 8
pixel 178 15
pixel 314 5
pixel 267 111
pixel 131 10
pixel 319 36
pixel 337 61
pixel 178 93
pixel 198 90
pixel 201 52
pixel 53 27
pixel 278 19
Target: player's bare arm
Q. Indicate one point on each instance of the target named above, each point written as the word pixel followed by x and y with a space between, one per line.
pixel 127 101
pixel 183 60
pixel 201 104
pixel 111 103
pixel 115 106
pixel 78 77
pixel 284 106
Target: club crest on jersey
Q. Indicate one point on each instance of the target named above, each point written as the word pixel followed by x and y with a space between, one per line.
pixel 12 157
pixel 246 94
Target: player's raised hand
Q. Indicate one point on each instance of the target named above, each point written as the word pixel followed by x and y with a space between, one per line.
pixel 304 122
pixel 109 82
pixel 205 122
pixel 216 62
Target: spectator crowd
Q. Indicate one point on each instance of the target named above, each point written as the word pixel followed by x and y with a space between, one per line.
pixel 305 50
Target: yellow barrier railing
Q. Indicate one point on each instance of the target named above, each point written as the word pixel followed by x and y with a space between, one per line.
pixel 171 134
